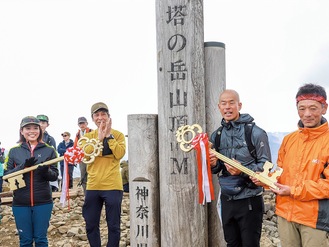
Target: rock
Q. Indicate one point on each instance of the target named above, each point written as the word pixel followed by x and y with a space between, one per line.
pixel 67 226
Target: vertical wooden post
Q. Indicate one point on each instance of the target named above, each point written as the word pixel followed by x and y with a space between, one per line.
pixel 181 101
pixel 144 180
pixel 215 82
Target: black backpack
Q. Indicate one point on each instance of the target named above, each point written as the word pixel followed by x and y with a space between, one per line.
pixel 247 133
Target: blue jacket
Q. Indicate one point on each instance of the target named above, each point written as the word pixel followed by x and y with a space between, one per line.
pixel 61 149
pixel 233 145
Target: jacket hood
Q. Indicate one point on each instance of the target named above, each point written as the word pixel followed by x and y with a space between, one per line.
pixel 313 133
pixel 244 118
pixel 301 125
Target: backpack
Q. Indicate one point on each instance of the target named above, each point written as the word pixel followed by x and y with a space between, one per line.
pixel 247 135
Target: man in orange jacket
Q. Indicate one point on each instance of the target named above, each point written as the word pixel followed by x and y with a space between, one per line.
pixel 83 129
pixel 302 200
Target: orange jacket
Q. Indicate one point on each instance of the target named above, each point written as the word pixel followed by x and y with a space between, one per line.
pixel 304 156
pixel 77 136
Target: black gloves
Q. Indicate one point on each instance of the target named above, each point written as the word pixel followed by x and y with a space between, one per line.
pixel 42 168
pixel 30 162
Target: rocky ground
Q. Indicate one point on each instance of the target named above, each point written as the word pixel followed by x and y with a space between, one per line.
pixel 67 227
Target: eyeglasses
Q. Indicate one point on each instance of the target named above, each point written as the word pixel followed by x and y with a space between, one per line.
pixel 64 135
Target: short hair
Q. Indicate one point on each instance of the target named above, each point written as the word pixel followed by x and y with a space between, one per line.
pixel 312 89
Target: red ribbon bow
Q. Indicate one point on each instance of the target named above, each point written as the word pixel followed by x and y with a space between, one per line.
pixel 73 155
pixel 206 190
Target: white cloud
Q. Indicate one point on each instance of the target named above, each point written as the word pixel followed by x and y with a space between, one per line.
pixel 60 57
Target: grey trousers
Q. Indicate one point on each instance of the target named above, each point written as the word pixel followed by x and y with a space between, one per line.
pixel 83 175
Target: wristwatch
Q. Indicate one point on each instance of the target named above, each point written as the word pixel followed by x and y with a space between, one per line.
pixel 109 137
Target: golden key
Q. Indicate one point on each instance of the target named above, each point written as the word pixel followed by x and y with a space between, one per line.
pixel 90 147
pixel 268 176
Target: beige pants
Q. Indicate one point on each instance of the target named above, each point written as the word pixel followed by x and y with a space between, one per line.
pixel 297 235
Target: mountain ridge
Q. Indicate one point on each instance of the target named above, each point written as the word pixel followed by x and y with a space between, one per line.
pixel 275 140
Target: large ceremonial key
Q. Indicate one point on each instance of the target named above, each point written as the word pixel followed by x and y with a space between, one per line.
pixel 268 176
pixel 90 149
pixel 16 180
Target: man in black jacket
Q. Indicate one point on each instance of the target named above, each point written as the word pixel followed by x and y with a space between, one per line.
pixel 241 201
pixel 44 123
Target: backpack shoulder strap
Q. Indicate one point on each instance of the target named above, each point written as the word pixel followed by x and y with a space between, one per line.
pixel 217 138
pixel 247 132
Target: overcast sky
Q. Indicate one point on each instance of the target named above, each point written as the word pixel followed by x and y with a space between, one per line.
pixel 59 57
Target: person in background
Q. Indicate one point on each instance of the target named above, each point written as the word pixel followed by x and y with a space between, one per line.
pixel 302 200
pixel 2 160
pixel 32 204
pixel 125 175
pixel 47 138
pixel 61 149
pixel 83 129
pixel 241 200
pixel 1 175
pixel 104 185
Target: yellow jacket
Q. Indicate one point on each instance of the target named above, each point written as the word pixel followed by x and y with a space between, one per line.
pixel 104 172
pixel 304 156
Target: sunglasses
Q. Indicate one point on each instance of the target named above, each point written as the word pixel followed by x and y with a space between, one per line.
pixel 64 135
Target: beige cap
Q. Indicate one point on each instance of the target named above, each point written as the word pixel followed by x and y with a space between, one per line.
pixel 98 106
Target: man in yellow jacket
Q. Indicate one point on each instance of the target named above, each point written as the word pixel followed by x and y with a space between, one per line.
pixel 104 184
pixel 302 200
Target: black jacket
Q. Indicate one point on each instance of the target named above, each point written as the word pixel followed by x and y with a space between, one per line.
pixel 37 189
pixel 233 145
pixel 49 139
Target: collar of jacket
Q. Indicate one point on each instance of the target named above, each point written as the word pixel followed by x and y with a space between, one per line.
pixel 313 133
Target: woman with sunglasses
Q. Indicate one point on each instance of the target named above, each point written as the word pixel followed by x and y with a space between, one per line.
pixel 61 149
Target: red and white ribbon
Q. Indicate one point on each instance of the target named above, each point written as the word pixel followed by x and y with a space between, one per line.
pixel 65 196
pixel 73 155
pixel 206 190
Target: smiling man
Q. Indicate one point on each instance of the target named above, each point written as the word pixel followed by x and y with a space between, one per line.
pixel 241 200
pixel 104 183
pixel 302 203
